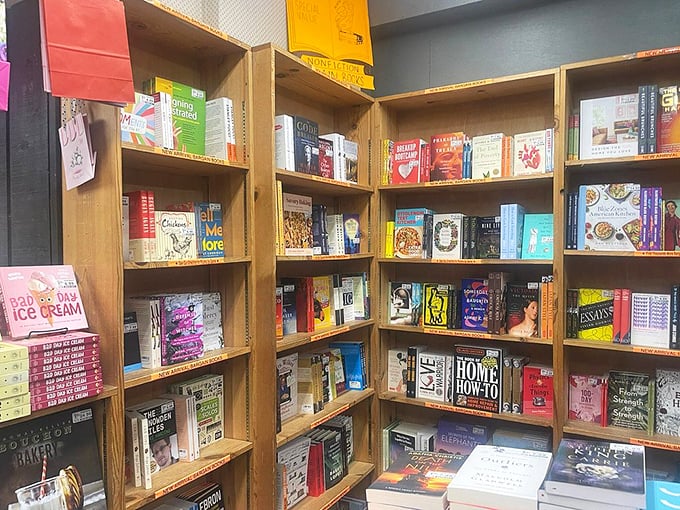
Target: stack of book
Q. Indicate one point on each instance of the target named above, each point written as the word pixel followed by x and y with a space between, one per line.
pixel 595 474
pixel 15 398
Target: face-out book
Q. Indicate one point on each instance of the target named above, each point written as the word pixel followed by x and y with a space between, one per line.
pixel 611 473
pixel 69 441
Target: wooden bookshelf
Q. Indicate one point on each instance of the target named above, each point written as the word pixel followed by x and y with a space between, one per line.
pixel 358 471
pixel 500 183
pixel 288 342
pixel 463 333
pixel 467 262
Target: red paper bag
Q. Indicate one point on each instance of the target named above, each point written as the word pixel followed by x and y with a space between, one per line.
pixel 87 50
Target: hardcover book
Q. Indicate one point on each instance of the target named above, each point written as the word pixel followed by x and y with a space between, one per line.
pixel 410 232
pixel 522 310
pixel 537 239
pixel 67 447
pixel 650 319
pixel 175 235
pixel 630 400
pixel 137 125
pixel 297 225
pixel 446 157
pixel 487 156
pixel 213 332
pixel 396 370
pixel 326 168
pixel 475 304
pixel 537 390
pixel 596 314
pixel 531 153
pixel 667 402
pixel 351 149
pixel 671 224
pixel 284 142
pixel 477 377
pixel 287 368
pixel 208 496
pixel 405 303
pixel 324 315
pixel 488 237
pixel 610 473
pixel 587 398
pixel 40 298
pixel 499 477
pixel 162 432
pixel 609 127
pixel 438 303
pixel 417 479
pixel 181 328
pixel 351 233
pixel 609 217
pixel 407 158
pixel 306 136
pixel 447 236
pixel 220 135
pixel 458 437
pixel 431 375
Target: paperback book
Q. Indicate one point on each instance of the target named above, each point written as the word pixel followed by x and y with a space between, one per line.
pixel 630 400
pixel 667 402
pixel 137 124
pixel 522 309
pixel 609 127
pixel 297 225
pixel 446 157
pixel 587 398
pixel 537 239
pixel 477 377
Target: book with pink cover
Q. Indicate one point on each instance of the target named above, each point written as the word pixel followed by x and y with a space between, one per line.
pixel 40 298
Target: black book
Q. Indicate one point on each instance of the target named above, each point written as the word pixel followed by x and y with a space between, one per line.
pixel 306 140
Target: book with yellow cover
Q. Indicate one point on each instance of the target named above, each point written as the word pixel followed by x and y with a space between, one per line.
pixel 596 314
pixel 323 304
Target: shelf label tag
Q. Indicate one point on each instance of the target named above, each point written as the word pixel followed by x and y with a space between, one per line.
pixel 655 444
pixel 318 178
pixel 193 476
pixel 456 409
pixel 657 52
pixel 673 353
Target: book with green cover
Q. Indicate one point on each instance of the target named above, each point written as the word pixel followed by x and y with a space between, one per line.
pixel 188 113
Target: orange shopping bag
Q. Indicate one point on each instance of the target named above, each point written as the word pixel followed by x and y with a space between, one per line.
pixel 88 56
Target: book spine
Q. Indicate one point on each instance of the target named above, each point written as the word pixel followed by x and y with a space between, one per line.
pixel 567 231
pixel 625 315
pixel 88 345
pixel 474 236
pixel 68 355
pixel 65 384
pixel 577 135
pixel 428 219
pixel 389 239
pixel 13 413
pixel 617 316
pixel 280 242
pixel 549 150
pixel 466 237
pixel 144 450
pixel 551 308
pixel 506 404
pixel 653 105
pixel 675 317
pixel 132 447
pixel 581 219
pixel 655 241
pixel 411 364
pixel 43 401
pixel 58 369
pixel 643 119
pixel 645 204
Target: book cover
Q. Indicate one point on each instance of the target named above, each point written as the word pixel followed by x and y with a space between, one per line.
pixel 522 311
pixel 609 217
pixel 208 496
pixel 537 239
pixel 669 123
pixel 410 233
pixel 162 432
pixel 405 303
pixel 73 472
pixel 209 392
pixel 487 156
pixel 537 390
pixel 610 473
pixel 531 153
pixel 289 311
pixel 587 398
pixel 351 233
pixel 458 437
pixel 326 168
pixel 213 332
pixel 40 298
pixel 220 136
pixel 297 225
pixel 323 302
pixel 287 368
pixel 595 314
pixel 478 377
pixel 438 302
pixel 181 328
pixel 339 159
pixel 488 237
pixel 650 319
pixel 431 375
pixel 499 477
pixel 137 124
pixel 667 420
pixel 629 400
pixel 175 235
pixel 351 150
pixel 188 113
pixel 671 225
pixel 416 479
pixel 446 157
pixel 306 137
pixel 526 438
pixel 396 370
pixel 609 127
pixel 475 304
pixel 132 358
pixel 512 229
pixel 210 242
pixel 447 236
pixel 284 144
pixel 406 161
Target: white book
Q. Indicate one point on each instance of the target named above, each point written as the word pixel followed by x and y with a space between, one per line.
pixel 447 236
pixel 148 329
pixel 213 332
pixel 336 234
pixel 431 376
pixel 132 448
pixel 487 156
pixel 531 153
pixel 546 500
pixel 338 141
pixel 608 127
pixel 175 235
pixel 650 320
pixel 500 478
pixel 351 150
pixel 127 256
pixel 287 368
pixel 144 446
pixel 295 456
pixel 219 128
pixel 396 370
pixel 348 298
pixel 163 120
pixel 284 145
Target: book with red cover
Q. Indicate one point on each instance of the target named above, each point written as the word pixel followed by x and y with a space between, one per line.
pixel 68 343
pixel 406 160
pixel 446 155
pixel 40 298
pixel 537 390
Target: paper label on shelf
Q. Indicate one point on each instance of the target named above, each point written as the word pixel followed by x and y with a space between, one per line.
pixel 655 444
pixel 185 367
pixel 657 52
pixel 456 261
pixel 193 476
pixel 455 409
pixel 669 254
pixel 458 86
pixel 656 156
pixel 338 411
pixel 673 353
pixel 329 333
pixel 187 155
pixel 329 257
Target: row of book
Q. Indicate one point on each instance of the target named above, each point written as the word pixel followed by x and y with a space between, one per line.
pixel 172 328
pixel 621 217
pixel 204 496
pixel 173 427
pixel 496 305
pixel 315 462
pixel 454 156
pixel 628 399
pixel 300 148
pixel 309 381
pixel 623 316
pixel 306 229
pixel 514 234
pixel 625 124
pixel 312 303
pixel 176 116
pixel 184 231
pixel 486 379
pixel 583 474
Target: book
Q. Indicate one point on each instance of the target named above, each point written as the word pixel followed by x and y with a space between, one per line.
pixel 477 377
pixel 207 495
pixel 337 141
pixel 662 495
pixel 351 233
pixel 650 319
pixel 220 135
pixel 547 501
pixel 213 332
pixel 175 235
pixel 447 236
pixel 209 392
pixel 351 150
pixel 527 438
pixel 137 121
pixel 289 312
pixel 73 470
pixel 609 127
pixel 512 227
pixel 446 157
pixel 284 150
pixel 410 232
pixel 537 238
pixel 162 432
pixel 438 304
pixel 610 473
pixel 295 456
pixel 40 299
pixel 396 370
pixel 667 418
pixel 163 120
pixel 669 125
pixel 671 225
pixel 532 153
pixel 458 437
pixel 188 112
pixel 323 303
pixel 417 479
pixel 595 314
pixel 537 390
pixel 181 324
pixel 488 238
pixel 405 303
pixel 522 309
pixel 132 358
pixel 297 225
pixel 326 158
pixel 287 368
pixel 587 398
pixel 306 140
pixel 630 400
pixel 431 375
pixel 407 158
pixel 487 156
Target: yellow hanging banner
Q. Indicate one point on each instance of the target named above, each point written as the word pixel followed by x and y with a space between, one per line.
pixel 346 72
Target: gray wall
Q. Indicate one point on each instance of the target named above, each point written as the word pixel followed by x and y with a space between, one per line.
pixel 500 42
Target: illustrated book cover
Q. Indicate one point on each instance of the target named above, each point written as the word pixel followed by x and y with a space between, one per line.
pixel 667 402
pixel 532 153
pixel 137 121
pixel 478 377
pixel 630 400
pixel 306 137
pixel 446 157
pixel 297 225
pixel 522 309
pixel 410 232
pixel 475 304
pixel 447 236
pixel 587 398
pixel 537 239
pixel 175 235
pixel 609 127
pixel 596 314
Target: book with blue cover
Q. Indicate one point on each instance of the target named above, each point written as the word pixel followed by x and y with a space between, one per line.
pixel 458 437
pixel 537 239
pixel 475 304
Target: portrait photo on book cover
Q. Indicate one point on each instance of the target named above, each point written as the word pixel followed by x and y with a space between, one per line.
pixel 523 323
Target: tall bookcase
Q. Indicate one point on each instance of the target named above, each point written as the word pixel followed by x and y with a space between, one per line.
pixel 512 104
pixel 165 43
pixel 652 272
pixel 285 84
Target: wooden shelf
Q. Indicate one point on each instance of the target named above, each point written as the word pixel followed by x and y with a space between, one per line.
pixel 623 435
pixel 147 375
pixel 182 473
pixel 304 183
pixel 462 333
pixel 631 254
pixel 356 473
pixel 609 346
pixel 175 32
pixel 640 162
pixel 323 258
pixel 502 183
pixel 185 263
pixel 157 159
pixel 467 262
pixel 302 423
pixel 299 339
pixel 443 406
